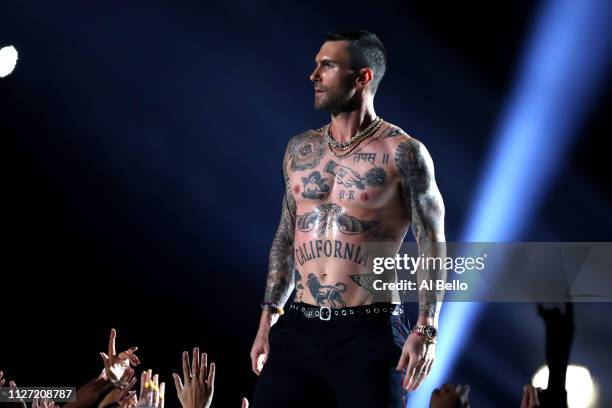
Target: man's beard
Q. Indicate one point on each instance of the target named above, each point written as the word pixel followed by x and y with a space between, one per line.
pixel 334 103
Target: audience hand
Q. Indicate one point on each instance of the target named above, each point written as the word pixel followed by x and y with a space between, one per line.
pixel 559 334
pixel 116 364
pixel 114 397
pixel 245 403
pixel 198 390
pixel 44 403
pixel 91 393
pixel 152 394
pixel 19 403
pixel 129 401
pixel 530 397
pixel 450 396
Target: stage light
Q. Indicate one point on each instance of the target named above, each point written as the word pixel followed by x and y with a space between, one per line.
pixel 580 387
pixel 8 60
pixel 560 73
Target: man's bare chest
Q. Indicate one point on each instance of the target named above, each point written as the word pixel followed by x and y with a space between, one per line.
pixel 364 180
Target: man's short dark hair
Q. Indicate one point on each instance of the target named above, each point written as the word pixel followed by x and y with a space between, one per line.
pixel 366 50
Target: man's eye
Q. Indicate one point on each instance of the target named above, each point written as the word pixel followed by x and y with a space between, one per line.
pixel 324 64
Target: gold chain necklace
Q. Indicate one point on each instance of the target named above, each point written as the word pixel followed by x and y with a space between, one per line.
pixel 348 149
pixel 345 145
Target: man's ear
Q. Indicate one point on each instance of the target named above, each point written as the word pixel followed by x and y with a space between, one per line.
pixel 364 76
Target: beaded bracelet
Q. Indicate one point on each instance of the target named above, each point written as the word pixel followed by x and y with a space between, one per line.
pixel 273 307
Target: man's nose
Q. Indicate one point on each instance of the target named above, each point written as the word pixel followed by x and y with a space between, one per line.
pixel 315 75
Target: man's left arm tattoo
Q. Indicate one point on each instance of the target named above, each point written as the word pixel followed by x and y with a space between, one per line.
pixel 423 201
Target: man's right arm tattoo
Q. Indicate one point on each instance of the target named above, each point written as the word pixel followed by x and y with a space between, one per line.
pixel 280 280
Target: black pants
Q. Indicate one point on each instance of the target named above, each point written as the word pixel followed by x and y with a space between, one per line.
pixel 343 363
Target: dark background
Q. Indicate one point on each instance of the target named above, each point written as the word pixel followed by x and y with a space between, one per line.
pixel 142 175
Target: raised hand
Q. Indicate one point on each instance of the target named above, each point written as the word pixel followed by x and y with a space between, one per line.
pixel 418 357
pixel 245 403
pixel 44 403
pixel 199 381
pixel 450 396
pixel 18 403
pixel 129 401
pixel 152 394
pixel 91 393
pixel 530 397
pixel 559 335
pixel 116 364
pixel 118 394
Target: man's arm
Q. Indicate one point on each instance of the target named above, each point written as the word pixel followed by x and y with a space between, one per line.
pixel 424 202
pixel 280 271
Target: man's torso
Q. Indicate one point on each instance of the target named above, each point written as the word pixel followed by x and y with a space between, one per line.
pixel 342 204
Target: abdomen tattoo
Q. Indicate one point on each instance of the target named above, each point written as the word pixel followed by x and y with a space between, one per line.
pixel 329 215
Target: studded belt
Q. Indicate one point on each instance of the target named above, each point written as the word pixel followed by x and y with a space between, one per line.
pixel 326 313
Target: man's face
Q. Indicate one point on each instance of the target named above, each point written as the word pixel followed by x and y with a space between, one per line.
pixel 333 78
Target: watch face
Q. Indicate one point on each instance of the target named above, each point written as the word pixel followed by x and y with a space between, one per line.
pixel 431 331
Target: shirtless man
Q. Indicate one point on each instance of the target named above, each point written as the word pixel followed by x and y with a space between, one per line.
pixel 339 343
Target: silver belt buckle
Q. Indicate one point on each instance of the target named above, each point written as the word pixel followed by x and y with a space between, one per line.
pixel 328 313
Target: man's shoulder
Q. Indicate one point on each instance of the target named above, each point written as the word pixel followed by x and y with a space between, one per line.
pixel 318 132
pixel 394 137
pixel 394 133
pixel 308 136
pixel 407 149
pixel 400 137
pixel 403 146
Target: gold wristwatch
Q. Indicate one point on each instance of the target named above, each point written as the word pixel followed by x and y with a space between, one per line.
pixel 428 333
